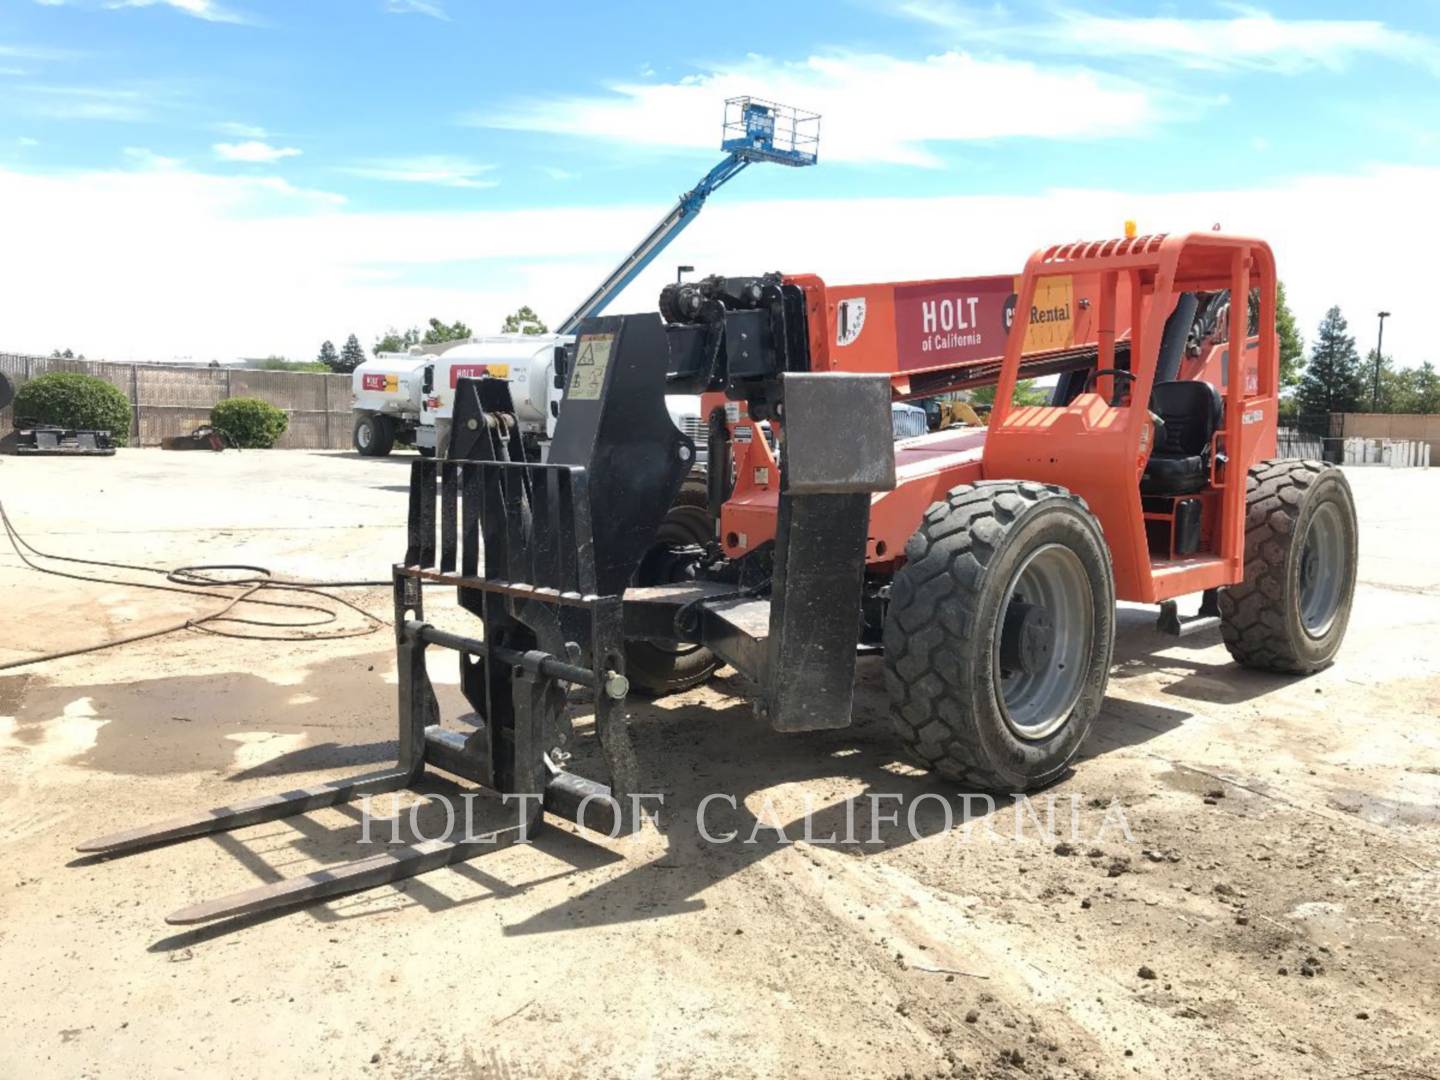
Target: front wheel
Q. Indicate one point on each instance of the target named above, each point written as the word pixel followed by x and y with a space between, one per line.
pixel 1301 547
pixel 373 435
pixel 658 668
pixel 999 634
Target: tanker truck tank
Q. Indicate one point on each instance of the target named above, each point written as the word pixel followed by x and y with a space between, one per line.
pixel 385 401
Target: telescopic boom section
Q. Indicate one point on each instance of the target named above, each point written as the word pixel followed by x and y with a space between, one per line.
pixel 755 130
pixel 935 336
pixel 656 241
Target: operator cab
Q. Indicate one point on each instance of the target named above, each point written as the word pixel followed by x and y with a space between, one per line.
pixel 1187 411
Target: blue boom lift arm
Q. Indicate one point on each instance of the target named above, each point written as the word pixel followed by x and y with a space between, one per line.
pixel 755 130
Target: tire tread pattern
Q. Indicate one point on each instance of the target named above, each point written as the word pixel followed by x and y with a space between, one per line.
pixel 1253 619
pixel 933 611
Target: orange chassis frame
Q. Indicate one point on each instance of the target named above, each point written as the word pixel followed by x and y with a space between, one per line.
pixel 1112 291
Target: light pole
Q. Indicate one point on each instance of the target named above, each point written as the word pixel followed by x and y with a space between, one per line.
pixel 1379 355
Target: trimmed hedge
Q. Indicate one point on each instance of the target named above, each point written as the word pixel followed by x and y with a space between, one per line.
pixel 69 399
pixel 253 424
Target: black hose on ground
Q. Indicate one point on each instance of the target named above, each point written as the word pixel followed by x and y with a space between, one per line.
pixel 199 580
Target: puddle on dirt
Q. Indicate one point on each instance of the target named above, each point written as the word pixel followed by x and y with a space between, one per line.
pixel 12 693
pixel 1380 811
pixel 230 723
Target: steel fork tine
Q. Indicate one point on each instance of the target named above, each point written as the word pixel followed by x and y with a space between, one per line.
pixel 367 873
pixel 249 812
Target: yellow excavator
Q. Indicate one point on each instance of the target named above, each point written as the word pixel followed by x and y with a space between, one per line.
pixel 941 413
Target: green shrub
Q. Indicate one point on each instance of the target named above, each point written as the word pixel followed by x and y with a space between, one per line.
pixel 252 423
pixel 69 399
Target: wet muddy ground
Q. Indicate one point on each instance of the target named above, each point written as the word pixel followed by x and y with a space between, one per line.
pixel 1249 884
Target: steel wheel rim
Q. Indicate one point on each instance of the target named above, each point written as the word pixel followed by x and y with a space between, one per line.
pixel 1037 704
pixel 1322 570
pixel 363 435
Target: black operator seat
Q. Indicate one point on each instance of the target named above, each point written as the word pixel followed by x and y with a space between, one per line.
pixel 1180 462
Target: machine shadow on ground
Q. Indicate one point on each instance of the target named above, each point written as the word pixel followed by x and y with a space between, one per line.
pixel 686 747
pixel 1141 650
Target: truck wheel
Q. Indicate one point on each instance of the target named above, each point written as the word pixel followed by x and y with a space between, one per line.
pixel 1301 543
pixel 999 633
pixel 373 436
pixel 659 668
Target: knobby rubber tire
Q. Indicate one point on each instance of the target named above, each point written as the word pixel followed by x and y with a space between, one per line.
pixel 1260 619
pixel 652 669
pixel 943 623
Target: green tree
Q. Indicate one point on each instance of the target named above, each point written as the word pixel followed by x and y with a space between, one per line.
pixel 1331 381
pixel 280 363
pixel 1407 390
pixel 1394 385
pixel 68 354
pixel 439 332
pixel 72 400
pixel 1026 393
pixel 524 321
pixel 327 355
pixel 1425 389
pixel 351 356
pixel 395 341
pixel 252 424
pixel 1292 345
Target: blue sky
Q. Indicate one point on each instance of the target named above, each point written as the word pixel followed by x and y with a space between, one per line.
pixel 454 157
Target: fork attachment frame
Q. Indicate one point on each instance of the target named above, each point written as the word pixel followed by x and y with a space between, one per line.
pixel 540 554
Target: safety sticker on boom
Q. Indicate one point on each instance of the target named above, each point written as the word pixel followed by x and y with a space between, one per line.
pixel 592 357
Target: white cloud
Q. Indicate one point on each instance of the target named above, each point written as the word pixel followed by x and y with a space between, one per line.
pixel 118 104
pixel 26 140
pixel 417 7
pixel 208 10
pixel 146 158
pixel 875 108
pixel 241 131
pixel 1249 39
pixel 172 255
pixel 440 170
pixel 253 152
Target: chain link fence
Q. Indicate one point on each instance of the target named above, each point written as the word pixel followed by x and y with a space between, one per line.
pixel 171 400
pixel 1397 440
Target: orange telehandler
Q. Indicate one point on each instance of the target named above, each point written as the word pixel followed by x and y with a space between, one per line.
pixel 984 564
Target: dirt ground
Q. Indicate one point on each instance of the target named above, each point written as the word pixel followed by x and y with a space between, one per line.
pixel 1272 913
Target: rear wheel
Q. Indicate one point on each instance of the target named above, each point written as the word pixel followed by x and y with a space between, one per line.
pixel 999 634
pixel 668 667
pixel 373 435
pixel 1301 544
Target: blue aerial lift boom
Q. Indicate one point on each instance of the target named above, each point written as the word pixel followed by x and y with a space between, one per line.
pixel 755 130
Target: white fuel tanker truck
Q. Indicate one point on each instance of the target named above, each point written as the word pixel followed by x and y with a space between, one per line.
pixel 408 398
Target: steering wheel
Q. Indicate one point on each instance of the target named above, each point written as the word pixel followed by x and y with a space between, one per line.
pixel 1114 373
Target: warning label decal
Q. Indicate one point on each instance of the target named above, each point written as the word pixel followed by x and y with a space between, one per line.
pixel 592 357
